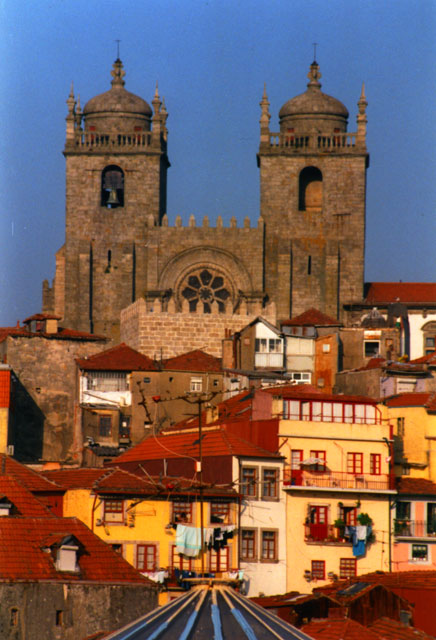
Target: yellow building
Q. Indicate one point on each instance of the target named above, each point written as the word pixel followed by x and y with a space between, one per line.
pixel 338 485
pixel 413 420
pixel 144 519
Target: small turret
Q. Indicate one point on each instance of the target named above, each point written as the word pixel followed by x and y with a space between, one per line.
pixel 71 102
pixel 265 117
pixel 361 118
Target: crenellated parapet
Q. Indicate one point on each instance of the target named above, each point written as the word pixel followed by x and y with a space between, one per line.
pixel 205 224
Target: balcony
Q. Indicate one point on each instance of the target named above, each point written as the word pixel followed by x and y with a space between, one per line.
pixel 414 528
pixel 268 360
pixel 325 533
pixel 336 480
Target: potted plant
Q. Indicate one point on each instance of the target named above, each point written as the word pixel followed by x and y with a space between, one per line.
pixel 340 527
pixel 364 519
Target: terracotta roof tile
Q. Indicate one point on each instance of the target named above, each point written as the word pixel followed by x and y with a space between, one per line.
pixel 429 359
pixel 196 360
pixel 398 579
pixel 215 442
pixel 338 629
pixel 238 406
pixel 389 629
pixel 119 358
pixel 5 388
pixel 42 316
pixel 62 334
pixel 309 392
pixel 32 480
pixel 416 486
pixel 408 400
pixel 406 292
pixel 23 501
pixel 22 556
pixel 312 317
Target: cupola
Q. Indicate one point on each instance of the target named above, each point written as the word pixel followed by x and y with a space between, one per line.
pixel 313 111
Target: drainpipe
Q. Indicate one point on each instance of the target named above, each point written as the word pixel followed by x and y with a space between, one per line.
pixel 388 444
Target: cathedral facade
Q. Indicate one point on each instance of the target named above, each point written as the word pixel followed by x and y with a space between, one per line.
pixel 306 249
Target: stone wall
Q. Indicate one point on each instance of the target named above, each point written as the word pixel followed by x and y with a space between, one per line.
pixel 80 609
pixel 159 334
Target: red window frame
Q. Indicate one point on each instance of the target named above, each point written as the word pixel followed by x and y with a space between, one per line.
pixel 347 567
pixel 270 485
pixel 248 544
pixel 220 510
pixel 318 569
pixel 113 511
pixel 355 462
pixel 322 456
pixel 219 560
pixel 249 482
pixel 182 512
pixel 375 464
pixel 179 561
pixel 146 557
pixel 269 545
pixel 348 515
pixel 296 458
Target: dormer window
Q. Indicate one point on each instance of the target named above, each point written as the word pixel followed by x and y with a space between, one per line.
pixel 5 508
pixel 65 551
pixel 112 187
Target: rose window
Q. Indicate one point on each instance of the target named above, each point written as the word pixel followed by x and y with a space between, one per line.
pixel 204 287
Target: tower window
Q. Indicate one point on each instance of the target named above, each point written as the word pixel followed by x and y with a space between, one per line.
pixel 309 265
pixel 112 187
pixel 310 189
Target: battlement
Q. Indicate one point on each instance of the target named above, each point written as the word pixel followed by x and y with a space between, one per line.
pixel 205 224
pixel 319 143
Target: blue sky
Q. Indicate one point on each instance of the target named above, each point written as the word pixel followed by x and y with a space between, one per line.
pixel 211 60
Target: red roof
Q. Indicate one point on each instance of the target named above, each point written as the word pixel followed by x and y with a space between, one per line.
pixel 215 442
pixel 406 292
pixel 5 387
pixel 408 400
pixel 42 316
pixel 238 406
pixel 196 360
pixel 62 334
pixel 24 502
pixel 22 555
pixel 416 486
pixel 430 359
pixel 32 480
pixel 312 317
pixel 119 358
pixel 309 392
pixel 423 579
pixel 389 629
pixel 338 629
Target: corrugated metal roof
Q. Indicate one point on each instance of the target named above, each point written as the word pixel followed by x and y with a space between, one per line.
pixel 209 611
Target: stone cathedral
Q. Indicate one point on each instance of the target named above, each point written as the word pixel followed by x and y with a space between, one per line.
pixel 122 259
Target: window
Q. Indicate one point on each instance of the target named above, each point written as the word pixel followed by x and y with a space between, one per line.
pixel 204 287
pixel 317 522
pixel 371 348
pixel 318 569
pixel 269 550
pixel 112 187
pixel 196 385
pixel 113 511
pixel 348 515
pixel 107 381
pixel 300 377
pixel 321 457
pixel 431 518
pixel 249 482
pixel 320 411
pixel 347 567
pixel 403 510
pixel 118 548
pixel 296 458
pixel 179 561
pixel 374 464
pixel 400 427
pixel 146 557
pixel 14 617
pixel 219 560
pixel 124 431
pixel 182 512
pixel 429 334
pixel 310 189
pixel 248 544
pixel 220 512
pixel 354 462
pixel 59 618
pixel 270 484
pixel 420 552
pixel 105 426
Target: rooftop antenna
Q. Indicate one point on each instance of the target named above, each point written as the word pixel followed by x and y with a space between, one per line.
pixel 118 48
pixel 315 44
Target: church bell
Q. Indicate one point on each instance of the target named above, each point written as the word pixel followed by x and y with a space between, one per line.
pixel 113 198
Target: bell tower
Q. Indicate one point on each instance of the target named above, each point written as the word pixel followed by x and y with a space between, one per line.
pixel 312 199
pixel 116 168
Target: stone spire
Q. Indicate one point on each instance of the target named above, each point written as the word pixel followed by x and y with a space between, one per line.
pixel 157 116
pixel 78 114
pixel 314 75
pixel 71 102
pixel 118 74
pixel 265 117
pixel 361 117
pixel 164 116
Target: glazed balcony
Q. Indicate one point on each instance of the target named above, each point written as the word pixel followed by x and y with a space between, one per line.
pixel 337 480
pixel 414 528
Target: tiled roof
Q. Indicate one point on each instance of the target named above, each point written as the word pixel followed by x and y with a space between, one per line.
pixel 21 498
pixel 408 400
pixel 429 359
pixel 388 629
pixel 338 629
pixel 62 334
pixel 215 442
pixel 312 317
pixel 406 292
pixel 119 358
pixel 309 392
pixel 22 541
pixel 419 486
pixel 238 406
pixel 32 480
pixel 196 360
pixel 42 316
pixel 395 580
pixel 5 388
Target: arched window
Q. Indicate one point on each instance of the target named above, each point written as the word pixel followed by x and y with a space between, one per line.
pixel 429 334
pixel 112 187
pixel 310 189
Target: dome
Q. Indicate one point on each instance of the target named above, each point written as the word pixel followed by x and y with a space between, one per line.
pixel 107 109
pixel 313 110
